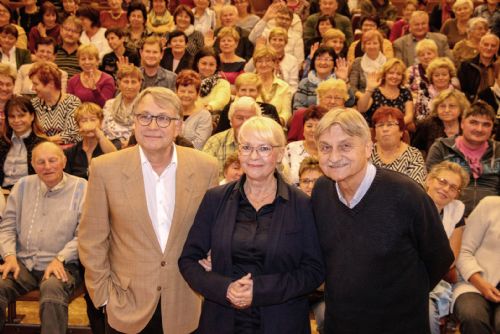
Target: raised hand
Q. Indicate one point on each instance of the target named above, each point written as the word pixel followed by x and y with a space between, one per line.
pixel 341 69
pixel 373 80
pixel 314 47
pixel 209 38
pixel 122 61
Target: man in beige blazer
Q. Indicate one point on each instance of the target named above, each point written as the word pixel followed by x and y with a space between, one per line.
pixel 140 205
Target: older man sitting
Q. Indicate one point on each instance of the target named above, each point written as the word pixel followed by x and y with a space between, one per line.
pixel 222 144
pixel 38 238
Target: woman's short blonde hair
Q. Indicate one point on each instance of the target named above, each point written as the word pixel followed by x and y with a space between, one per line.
pixel 424 45
pixel 88 108
pixel 87 50
pixel 228 8
pixel 264 129
pixel 459 3
pixel 129 71
pixel 372 35
pixel 462 101
pixel 475 21
pixel 450 167
pixel 278 32
pixel 350 121
pixel 394 62
pixel 8 71
pixel 229 32
pixel 246 102
pixel 263 51
pixel 333 33
pixel 248 79
pixel 440 62
pixel 332 84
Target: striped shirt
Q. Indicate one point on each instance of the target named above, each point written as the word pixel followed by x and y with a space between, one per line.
pixel 67 62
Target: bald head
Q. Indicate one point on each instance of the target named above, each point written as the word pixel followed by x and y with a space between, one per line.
pixel 48 160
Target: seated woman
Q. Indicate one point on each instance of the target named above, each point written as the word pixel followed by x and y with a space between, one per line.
pixel 444 120
pixel 476 296
pixel 89 118
pixel 45 51
pixel 443 185
pixel 18 142
pixel 387 89
pixel 48 26
pixel 136 32
pixel 184 21
pixel 246 18
pixel 369 23
pixel 288 66
pixel 54 109
pixel 92 32
pixel 385 11
pixel 7 81
pixel 418 82
pixel 370 62
pixel 333 38
pixel 390 151
pixel 6 18
pixel 455 29
pixel 231 64
pixel 92 84
pixel 118 118
pixel 159 19
pixel 10 53
pixel 324 23
pixel 232 169
pixel 239 224
pixel 442 76
pixel 309 173
pixel 176 58
pixel 197 120
pixel 296 151
pixel 402 26
pixel 274 90
pixel 331 93
pixel 467 48
pixel 323 66
pixel 215 92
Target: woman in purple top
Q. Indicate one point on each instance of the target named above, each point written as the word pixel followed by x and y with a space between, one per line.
pixel 91 85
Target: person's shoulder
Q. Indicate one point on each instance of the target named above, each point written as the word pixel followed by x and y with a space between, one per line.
pixel 313 17
pixel 402 39
pixel 200 160
pixel 401 183
pixel 438 37
pixel 117 158
pixel 339 18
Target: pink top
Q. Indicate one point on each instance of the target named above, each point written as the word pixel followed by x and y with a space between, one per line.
pixel 105 89
pixel 399 29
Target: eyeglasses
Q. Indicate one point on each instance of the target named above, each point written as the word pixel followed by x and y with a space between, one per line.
pixel 387 124
pixel 306 181
pixel 325 59
pixel 74 31
pixel 262 150
pixel 444 182
pixel 162 121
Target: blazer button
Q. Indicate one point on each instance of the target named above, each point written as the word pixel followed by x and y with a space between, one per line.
pixel 158 288
pixel 163 263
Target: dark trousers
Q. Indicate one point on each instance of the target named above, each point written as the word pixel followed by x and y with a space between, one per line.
pixel 154 325
pixel 476 314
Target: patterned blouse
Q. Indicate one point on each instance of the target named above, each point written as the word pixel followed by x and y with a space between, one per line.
pixel 410 163
pixel 58 119
pixel 380 100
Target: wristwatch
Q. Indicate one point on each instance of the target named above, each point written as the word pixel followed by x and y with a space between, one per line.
pixel 60 258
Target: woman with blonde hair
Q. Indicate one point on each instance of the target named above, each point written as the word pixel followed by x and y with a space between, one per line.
pixel 467 48
pixel 456 29
pixel 118 119
pixel 274 90
pixel 387 89
pixel 91 85
pixel 260 273
pixel 447 109
pixel 231 64
pixel 371 62
pixel 442 76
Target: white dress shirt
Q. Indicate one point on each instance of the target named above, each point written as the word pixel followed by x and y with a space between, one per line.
pixel 160 196
pixel 371 170
pixel 10 58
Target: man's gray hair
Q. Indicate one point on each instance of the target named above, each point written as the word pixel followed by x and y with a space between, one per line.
pixel 350 120
pixel 163 97
pixel 244 101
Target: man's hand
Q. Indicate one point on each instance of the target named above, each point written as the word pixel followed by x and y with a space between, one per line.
pixel 10 265
pixel 56 268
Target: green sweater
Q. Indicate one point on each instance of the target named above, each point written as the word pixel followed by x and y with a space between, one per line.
pixel 341 22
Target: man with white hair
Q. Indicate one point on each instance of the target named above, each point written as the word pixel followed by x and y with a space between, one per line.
pixel 383 242
pixel 404 47
pixel 224 143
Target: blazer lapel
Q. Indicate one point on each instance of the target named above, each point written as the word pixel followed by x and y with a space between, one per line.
pixel 136 195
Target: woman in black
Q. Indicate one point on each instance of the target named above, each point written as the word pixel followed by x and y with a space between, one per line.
pixel 262 240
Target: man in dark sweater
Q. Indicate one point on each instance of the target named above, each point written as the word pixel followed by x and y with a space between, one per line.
pixel 382 239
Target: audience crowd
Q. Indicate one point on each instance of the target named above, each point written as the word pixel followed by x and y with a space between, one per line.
pixel 248 85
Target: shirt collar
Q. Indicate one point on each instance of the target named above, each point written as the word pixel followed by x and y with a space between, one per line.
pixel 362 189
pixel 23 136
pixel 281 191
pixel 145 161
pixel 44 189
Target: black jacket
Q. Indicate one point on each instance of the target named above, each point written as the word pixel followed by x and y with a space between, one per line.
pixel 167 61
pixel 469 75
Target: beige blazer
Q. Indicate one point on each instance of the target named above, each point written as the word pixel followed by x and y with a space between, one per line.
pixel 124 265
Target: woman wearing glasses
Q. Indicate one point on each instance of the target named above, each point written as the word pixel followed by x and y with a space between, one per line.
pixel 390 151
pixel 261 236
pixel 443 185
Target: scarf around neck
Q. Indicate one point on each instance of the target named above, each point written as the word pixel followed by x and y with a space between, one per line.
pixel 372 65
pixel 473 156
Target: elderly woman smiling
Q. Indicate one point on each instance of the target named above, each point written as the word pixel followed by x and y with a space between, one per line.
pixel 390 151
pixel 264 249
